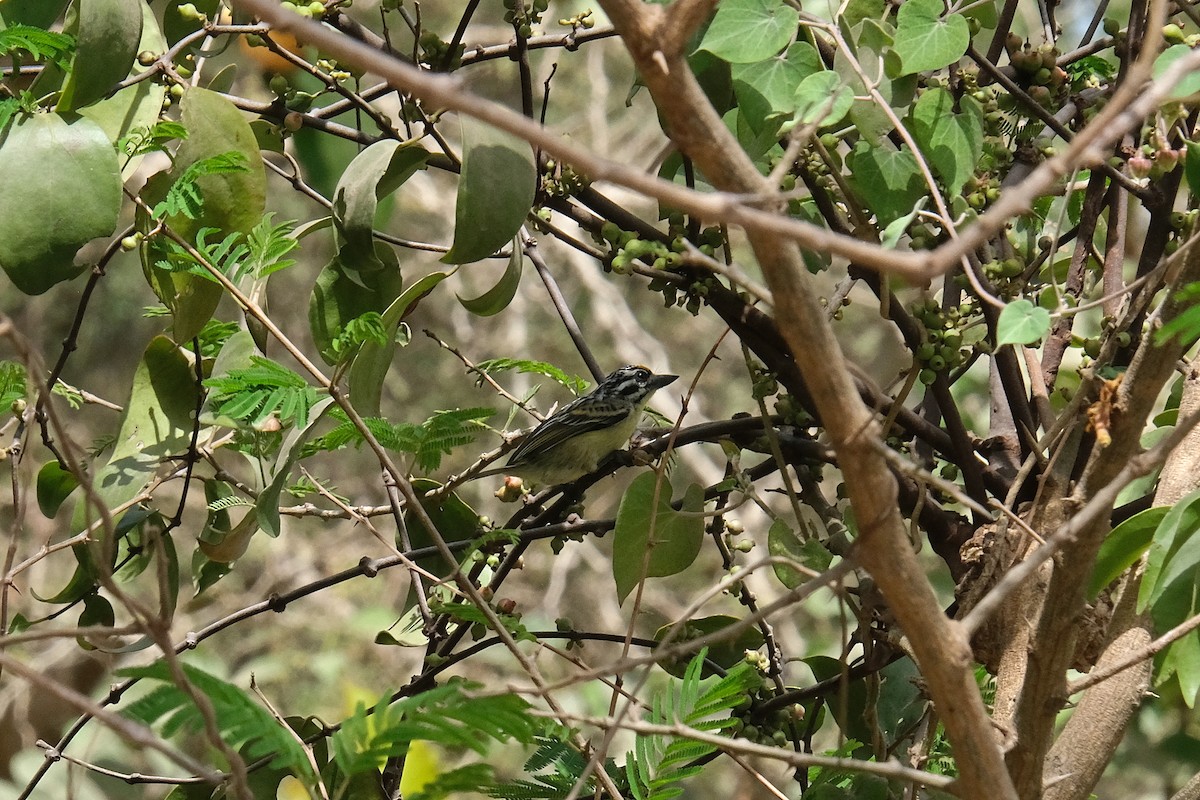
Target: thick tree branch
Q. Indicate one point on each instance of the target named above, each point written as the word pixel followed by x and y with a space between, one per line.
pixel 1053 645
pixel 883 548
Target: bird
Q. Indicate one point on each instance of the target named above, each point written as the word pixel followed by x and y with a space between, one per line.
pixel 571 442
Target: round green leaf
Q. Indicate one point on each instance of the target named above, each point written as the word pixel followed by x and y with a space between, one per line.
pixel 784 542
pixel 888 179
pixel 1021 322
pixel 952 141
pixel 233 201
pixel 822 99
pixel 1189 84
pixel 745 31
pixel 106 46
pixel 495 191
pixel 69 193
pixel 38 13
pixel 135 107
pixel 54 484
pixel 655 540
pixel 724 654
pixel 925 40
pixel 767 88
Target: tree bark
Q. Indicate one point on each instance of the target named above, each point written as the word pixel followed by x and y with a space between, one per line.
pixel 655 37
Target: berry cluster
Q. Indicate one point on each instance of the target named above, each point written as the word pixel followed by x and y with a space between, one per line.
pixel 435 49
pixel 561 180
pixel 942 345
pixel 1037 70
pixel 523 16
pixel 313 10
pixel 753 723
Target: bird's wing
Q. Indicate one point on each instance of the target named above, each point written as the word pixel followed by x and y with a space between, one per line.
pixel 574 420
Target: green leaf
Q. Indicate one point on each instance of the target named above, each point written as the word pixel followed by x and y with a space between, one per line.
pixel 659 762
pixel 1191 167
pixel 454 519
pixel 952 141
pixel 341 295
pixel 496 299
pixel 745 31
pixel 242 722
pixel 1174 551
pixel 443 715
pixel 495 366
pixel 1182 659
pixel 1185 325
pixel 233 202
pixel 151 138
pixel 887 179
pixel 38 13
pixel 12 384
pixel 157 425
pixel 724 655
pixel 767 89
pixel 373 174
pixel 1189 84
pixel 70 193
pixel 97 611
pixel 925 40
pixel 757 142
pixel 370 366
pixel 42 45
pixel 1021 322
pixel 891 234
pixel 495 191
pixel 54 484
pixel 872 53
pixel 784 542
pixel 855 11
pixel 1123 547
pixel 106 45
pixel 251 394
pixel 267 504
pixel 135 107
pixel 184 197
pixel 438 435
pixel 822 99
pixel 713 75
pixel 653 540
pixel 219 543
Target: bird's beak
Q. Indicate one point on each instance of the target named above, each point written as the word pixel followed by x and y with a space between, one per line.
pixel 659 381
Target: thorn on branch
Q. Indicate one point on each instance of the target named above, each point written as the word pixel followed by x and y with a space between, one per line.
pixel 660 60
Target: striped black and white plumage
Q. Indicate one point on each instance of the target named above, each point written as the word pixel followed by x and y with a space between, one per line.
pixel 570 443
